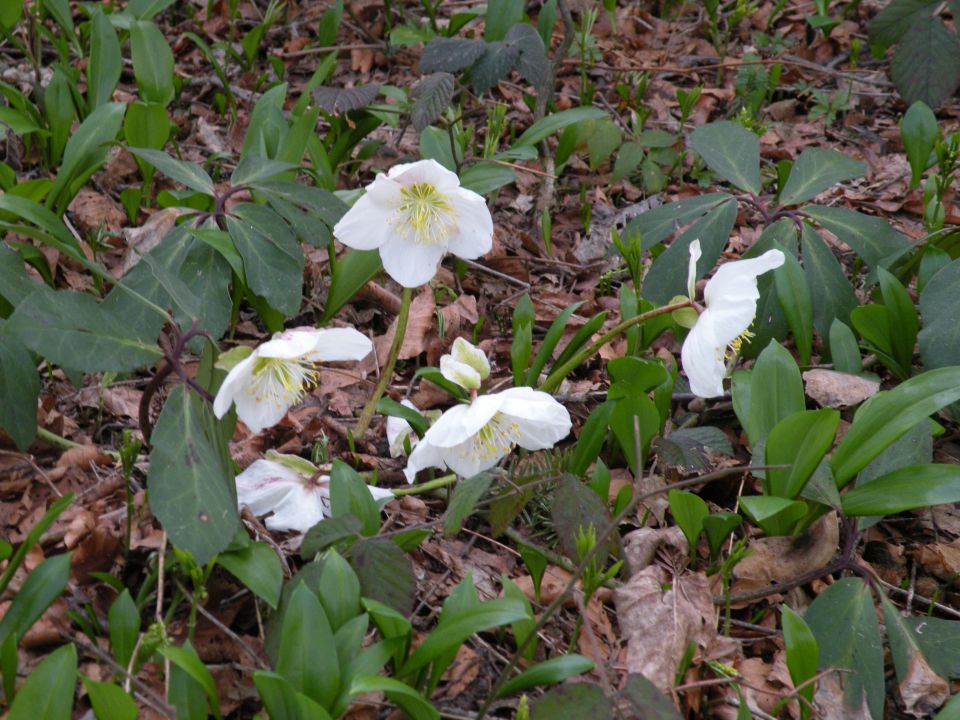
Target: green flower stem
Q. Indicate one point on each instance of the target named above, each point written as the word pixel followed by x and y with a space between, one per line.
pixel 64 444
pixel 426 487
pixel 367 415
pixel 556 377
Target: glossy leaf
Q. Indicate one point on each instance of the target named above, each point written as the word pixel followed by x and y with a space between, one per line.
pixel 799 441
pixel 186 659
pixel 777 391
pixel 109 701
pixel 104 63
pixel 919 131
pixel 816 170
pixel 731 151
pixel 353 271
pixel 793 293
pixel 915 486
pixel 548 672
pixel 258 567
pixel 775 515
pixel 689 511
pixel 19 392
pixel 306 656
pixel 802 653
pixel 48 693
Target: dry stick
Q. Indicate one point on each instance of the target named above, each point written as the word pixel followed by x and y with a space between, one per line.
pixel 602 542
pixel 367 415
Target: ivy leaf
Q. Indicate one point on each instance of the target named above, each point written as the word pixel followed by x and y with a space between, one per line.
pixel 341 100
pixel 433 93
pixel 450 54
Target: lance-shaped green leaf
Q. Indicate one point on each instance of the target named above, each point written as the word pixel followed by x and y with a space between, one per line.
pixel 103 66
pixel 184 172
pixel 731 151
pixel 915 486
pixel 18 392
pixel 817 169
pixel 831 293
pixel 48 692
pixel 871 238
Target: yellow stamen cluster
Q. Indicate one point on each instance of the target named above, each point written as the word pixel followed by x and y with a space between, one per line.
pixel 737 343
pixel 497 438
pixel 425 212
pixel 281 381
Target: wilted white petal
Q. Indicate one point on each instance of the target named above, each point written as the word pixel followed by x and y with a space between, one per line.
pixel 459 373
pixel 731 298
pixel 695 255
pixel 464 352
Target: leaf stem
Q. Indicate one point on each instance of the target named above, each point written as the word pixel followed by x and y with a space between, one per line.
pixel 367 415
pixel 556 377
pixel 426 487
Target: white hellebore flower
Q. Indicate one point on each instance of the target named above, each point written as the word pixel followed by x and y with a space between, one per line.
pixel 415 214
pixel 470 438
pixel 731 303
pixel 266 383
pixel 398 429
pixel 290 488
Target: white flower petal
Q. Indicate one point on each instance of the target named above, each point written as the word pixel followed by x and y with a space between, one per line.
pixel 468 459
pixel 263 484
pixel 461 422
pixel 737 280
pixel 464 352
pixel 366 226
pixel 460 373
pixel 300 510
pixel 473 235
pixel 542 422
pixel 703 359
pixel 695 255
pixel 339 344
pixel 380 493
pixel 398 430
pixel 410 263
pixel 424 455
pixel 238 376
pixel 257 413
pixel 424 171
pixel 290 344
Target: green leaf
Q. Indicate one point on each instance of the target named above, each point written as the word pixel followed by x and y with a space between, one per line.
pixel 501 16
pixel 60 112
pixel 42 586
pixel 186 173
pixel 940 337
pixel 592 435
pixel 349 494
pixel 573 700
pixel 817 169
pixel 192 491
pixel 282 700
pixel 339 590
pixel 775 515
pixel 60 11
pixel 485 177
pixel 444 54
pixel 533 63
pixel 833 297
pixel 889 415
pixel 844 350
pixel 384 572
pixel 85 152
pixel 48 692
pixel 327 532
pixel 732 151
pixel 454 630
pixel 844 622
pixel 904 323
pixel 667 276
pixel 800 441
pixel 19 392
pixel 550 340
pixel 872 238
pixel 718 527
pixel 72 330
pixel 912 487
pixel 655 226
pixel 147 126
pixel 688 511
pixel 926 65
pixel 306 644
pixel 893 21
pixel 415 705
pixel 793 293
pixel 254 169
pixel 802 652
pixel 272 259
pixel 646 700
pixel 554 122
pixel 433 95
pixel 109 701
pixel 628 160
pixel 352 272
pixel 187 660
pixel 152 62
pixel 919 132
pixel 575 507
pixel 104 63
pixel 124 622
pixel 324 204
pixel 781 394
pixel 258 567
pixel 465 498
pixel 549 672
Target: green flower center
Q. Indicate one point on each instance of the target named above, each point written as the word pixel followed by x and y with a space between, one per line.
pixel 425 213
pixel 281 380
pixel 497 438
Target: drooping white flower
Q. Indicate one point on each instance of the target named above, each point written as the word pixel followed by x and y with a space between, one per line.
pixel 292 489
pixel 414 215
pixel 398 430
pixel 466 365
pixel 731 303
pixel 265 384
pixel 470 438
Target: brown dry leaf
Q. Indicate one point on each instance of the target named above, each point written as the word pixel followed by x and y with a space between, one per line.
pixel 659 624
pixel 641 546
pixel 92 209
pixel 774 559
pixel 922 690
pixel 941 559
pixel 461 674
pixel 828 700
pixel 763 688
pixel 143 239
pixel 81 458
pixel 81 524
pixel 832 389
